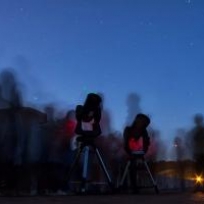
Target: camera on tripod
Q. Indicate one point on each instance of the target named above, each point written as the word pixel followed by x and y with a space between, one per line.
pixel 88 128
pixel 136 138
pixel 88 118
pixel 136 143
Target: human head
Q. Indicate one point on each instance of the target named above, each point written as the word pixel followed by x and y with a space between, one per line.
pixel 198 119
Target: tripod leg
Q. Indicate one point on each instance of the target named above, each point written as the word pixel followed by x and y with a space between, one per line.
pixel 151 177
pixel 103 167
pixel 85 169
pixel 150 174
pixel 125 173
pixel 76 159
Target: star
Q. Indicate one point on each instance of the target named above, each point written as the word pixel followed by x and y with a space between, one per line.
pixel 191 44
pixel 21 9
pixel 101 22
pixel 35 98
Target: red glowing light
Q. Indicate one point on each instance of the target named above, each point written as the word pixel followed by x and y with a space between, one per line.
pixel 135 145
pixel 70 128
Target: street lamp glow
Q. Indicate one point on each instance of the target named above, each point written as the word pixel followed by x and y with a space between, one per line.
pixel 199 179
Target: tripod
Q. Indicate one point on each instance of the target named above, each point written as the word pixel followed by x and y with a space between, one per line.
pixel 85 146
pixel 137 157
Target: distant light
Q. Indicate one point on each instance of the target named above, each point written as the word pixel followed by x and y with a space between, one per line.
pixel 199 179
pixel 101 22
pixel 35 98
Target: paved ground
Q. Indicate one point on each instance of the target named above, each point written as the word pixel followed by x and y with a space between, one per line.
pixel 162 198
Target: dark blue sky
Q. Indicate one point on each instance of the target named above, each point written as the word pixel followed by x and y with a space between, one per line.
pixel 64 49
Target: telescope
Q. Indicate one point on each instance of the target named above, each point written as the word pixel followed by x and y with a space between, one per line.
pixel 136 136
pixel 88 118
pixel 88 128
pixel 136 143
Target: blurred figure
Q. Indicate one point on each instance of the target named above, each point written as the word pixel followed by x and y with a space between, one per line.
pixel 54 151
pixel 113 152
pixel 48 132
pixel 10 88
pixel 70 125
pixel 133 107
pixel 67 130
pixel 3 102
pixel 155 151
pixel 155 145
pixel 179 145
pixel 180 155
pixel 197 144
pixel 11 103
pixel 105 122
pixel 30 149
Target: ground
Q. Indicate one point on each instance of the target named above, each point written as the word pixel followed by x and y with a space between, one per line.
pixel 162 198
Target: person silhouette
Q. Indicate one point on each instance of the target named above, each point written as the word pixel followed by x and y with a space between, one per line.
pixel 133 107
pixel 197 142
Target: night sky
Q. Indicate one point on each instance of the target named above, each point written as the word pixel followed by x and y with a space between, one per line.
pixel 63 49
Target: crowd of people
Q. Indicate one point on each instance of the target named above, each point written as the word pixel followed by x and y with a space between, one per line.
pixel 37 149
